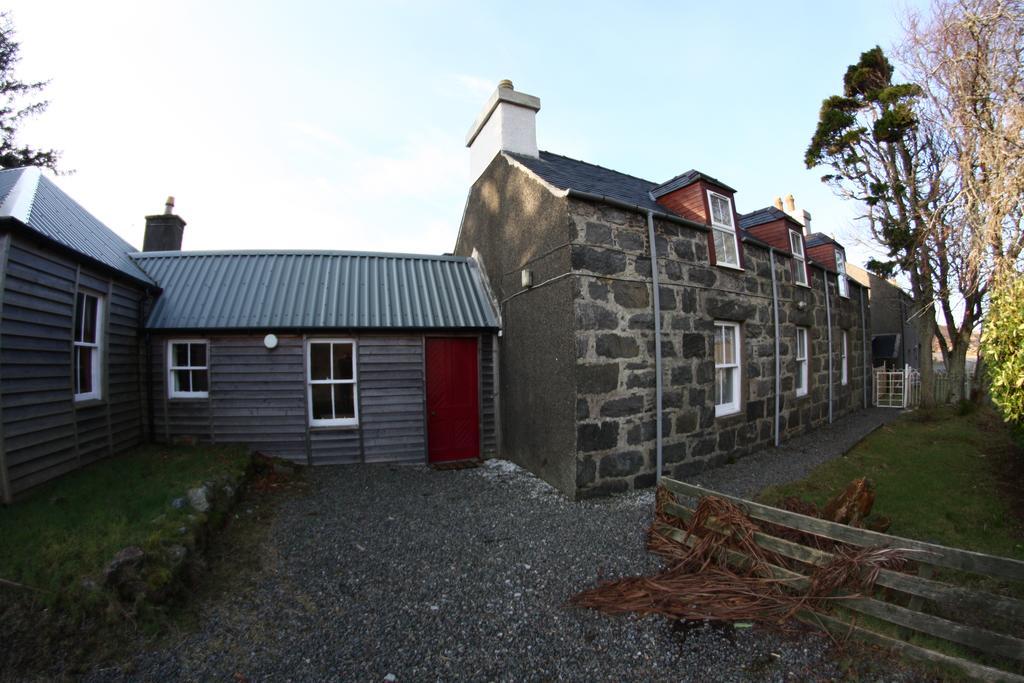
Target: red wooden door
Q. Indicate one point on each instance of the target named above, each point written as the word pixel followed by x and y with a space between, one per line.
pixel 453 409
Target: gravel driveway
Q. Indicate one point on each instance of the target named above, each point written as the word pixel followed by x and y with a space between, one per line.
pixel 405 572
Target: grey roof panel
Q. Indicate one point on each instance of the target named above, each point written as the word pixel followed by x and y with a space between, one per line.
pixel 309 290
pixel 687 178
pixel 817 238
pixel 45 209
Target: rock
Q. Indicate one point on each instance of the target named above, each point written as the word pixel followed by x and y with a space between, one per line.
pixel 852 505
pixel 126 561
pixel 178 503
pixel 199 499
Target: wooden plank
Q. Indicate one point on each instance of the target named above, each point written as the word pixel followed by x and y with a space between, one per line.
pixel 840 629
pixel 951 558
pixel 6 495
pixel 948 595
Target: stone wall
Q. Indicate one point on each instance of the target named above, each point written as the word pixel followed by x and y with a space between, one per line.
pixel 614 330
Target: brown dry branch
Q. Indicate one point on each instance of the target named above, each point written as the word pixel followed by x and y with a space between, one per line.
pixel 700 581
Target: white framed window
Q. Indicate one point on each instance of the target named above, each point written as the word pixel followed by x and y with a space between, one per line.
pixel 88 346
pixel 796 245
pixel 727 368
pixel 188 368
pixel 331 375
pixel 801 361
pixel 843 368
pixel 844 286
pixel 723 230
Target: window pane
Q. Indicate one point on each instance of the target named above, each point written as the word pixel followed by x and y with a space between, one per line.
pixel 197 355
pixel 720 211
pixel 79 310
pixel 84 369
pixel 322 409
pixel 801 272
pixel 179 355
pixel 725 247
pixel 342 361
pixel 729 336
pixel 182 380
pixel 800 374
pixel 344 400
pixel 796 244
pixel 200 380
pixel 320 362
pixel 719 351
pixel 725 393
pixel 89 321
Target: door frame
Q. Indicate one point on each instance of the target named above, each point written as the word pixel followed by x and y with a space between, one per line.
pixel 479 388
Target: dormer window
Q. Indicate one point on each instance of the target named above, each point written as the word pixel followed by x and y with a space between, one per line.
pixel 724 231
pixel 796 246
pixel 844 286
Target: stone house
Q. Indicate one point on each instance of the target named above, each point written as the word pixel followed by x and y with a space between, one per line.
pixel 617 294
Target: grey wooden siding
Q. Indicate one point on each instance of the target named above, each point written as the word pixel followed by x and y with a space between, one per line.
pixel 45 433
pixel 489 395
pixel 258 397
pixel 391 395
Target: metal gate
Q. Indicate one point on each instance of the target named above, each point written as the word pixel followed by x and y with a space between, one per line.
pixel 897 388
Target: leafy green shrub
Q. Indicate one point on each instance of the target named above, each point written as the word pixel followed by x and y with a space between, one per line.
pixel 1002 343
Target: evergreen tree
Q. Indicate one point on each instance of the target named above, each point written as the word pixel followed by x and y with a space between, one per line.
pixel 18 102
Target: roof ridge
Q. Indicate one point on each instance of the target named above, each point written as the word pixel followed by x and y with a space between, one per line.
pixel 603 168
pixel 293 252
pixel 21 197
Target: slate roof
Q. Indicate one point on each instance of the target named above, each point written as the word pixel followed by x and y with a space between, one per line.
pixel 236 290
pixel 572 174
pixel 687 178
pixel 765 215
pixel 818 238
pixel 34 200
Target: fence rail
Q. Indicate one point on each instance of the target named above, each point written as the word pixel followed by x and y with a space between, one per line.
pixel 913 603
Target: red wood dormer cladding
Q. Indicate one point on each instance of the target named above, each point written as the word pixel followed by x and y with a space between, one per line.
pixel 776 233
pixel 824 254
pixel 691 202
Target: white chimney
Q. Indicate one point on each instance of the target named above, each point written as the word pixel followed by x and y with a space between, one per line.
pixel 507 123
pixel 799 215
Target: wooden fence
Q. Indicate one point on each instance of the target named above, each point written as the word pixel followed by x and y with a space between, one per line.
pixel 985 628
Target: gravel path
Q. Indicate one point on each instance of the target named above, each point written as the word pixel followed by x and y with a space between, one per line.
pixel 425 575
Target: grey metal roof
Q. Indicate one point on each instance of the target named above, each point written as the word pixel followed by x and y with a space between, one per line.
pixel 314 289
pixel 765 215
pixel 44 208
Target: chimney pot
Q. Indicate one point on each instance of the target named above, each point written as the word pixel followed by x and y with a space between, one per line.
pixel 164 230
pixel 506 83
pixel 790 204
pixel 778 203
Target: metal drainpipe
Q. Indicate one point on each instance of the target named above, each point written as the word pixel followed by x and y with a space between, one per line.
pixel 778 358
pixel 864 346
pixel 657 338
pixel 828 320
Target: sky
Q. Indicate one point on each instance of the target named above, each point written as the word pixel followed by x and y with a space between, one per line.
pixel 337 125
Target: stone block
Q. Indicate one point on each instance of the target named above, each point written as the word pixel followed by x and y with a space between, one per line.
pixel 621 464
pixel 617 346
pixel 598 378
pixel 622 407
pixel 598 233
pixel 682 376
pixel 598 260
pixel 586 471
pixel 630 241
pixel 595 317
pixel 597 437
pixel 582 409
pixel 598 291
pixel 631 294
pixel 644 379
pixel 694 346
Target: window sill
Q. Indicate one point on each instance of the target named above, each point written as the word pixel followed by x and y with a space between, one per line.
pixel 190 397
pixel 731 413
pixel 805 285
pixel 729 266
pixel 333 428
pixel 806 394
pixel 89 402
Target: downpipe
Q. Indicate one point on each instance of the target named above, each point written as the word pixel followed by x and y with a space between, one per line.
pixel 778 357
pixel 656 298
pixel 828 321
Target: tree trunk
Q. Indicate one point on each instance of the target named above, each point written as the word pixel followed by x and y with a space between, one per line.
pixel 956 367
pixel 926 330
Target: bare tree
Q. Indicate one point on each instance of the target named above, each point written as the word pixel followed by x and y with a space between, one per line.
pixel 967 56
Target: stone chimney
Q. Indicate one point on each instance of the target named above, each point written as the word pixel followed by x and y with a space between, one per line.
pixel 507 123
pixel 800 215
pixel 164 230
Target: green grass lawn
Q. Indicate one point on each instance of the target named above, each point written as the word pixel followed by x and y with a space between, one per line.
pixel 72 527
pixel 940 477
